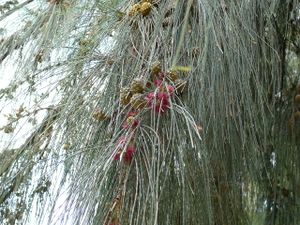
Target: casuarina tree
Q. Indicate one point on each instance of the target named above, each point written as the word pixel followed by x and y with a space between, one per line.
pixel 157 112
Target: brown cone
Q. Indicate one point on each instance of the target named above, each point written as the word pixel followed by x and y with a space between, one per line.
pixel 138 102
pixel 125 96
pixel 137 86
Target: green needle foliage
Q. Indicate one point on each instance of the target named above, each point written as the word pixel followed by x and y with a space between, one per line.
pixel 163 112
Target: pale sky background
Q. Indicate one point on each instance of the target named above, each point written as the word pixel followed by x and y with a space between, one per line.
pixel 7 72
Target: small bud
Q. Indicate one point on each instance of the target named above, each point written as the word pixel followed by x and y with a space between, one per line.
pixel 66 146
pixel 8 129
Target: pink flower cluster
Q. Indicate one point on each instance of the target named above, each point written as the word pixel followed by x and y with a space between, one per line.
pixel 161 75
pixel 126 148
pixel 128 153
pixel 159 100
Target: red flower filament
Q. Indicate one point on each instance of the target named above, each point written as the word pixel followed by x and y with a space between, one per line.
pixel 160 101
pixel 131 121
pixel 128 153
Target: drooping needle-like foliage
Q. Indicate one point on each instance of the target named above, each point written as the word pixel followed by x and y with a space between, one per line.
pixel 157 112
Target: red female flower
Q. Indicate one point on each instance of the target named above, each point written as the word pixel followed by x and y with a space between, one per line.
pixel 121 141
pixel 164 88
pixel 158 83
pixel 170 89
pixel 117 155
pixel 161 75
pixel 131 122
pixel 160 101
pixel 128 153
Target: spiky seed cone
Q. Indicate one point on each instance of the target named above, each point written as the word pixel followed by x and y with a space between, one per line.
pixel 125 96
pixel 180 85
pixel 134 9
pixel 297 99
pixel 172 75
pixel 156 68
pixel 145 8
pixel 138 102
pixel 99 115
pixel 137 86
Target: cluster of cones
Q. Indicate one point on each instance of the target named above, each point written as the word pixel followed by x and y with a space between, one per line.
pixel 154 95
